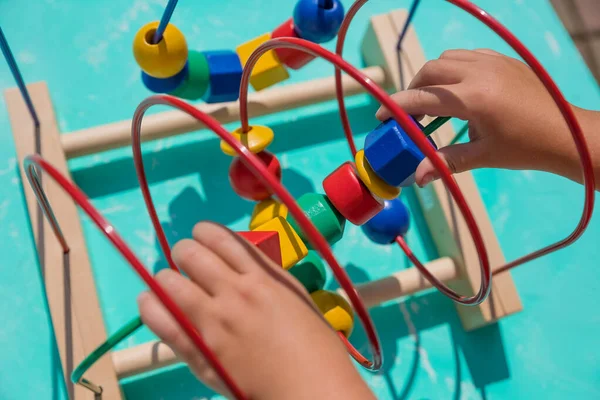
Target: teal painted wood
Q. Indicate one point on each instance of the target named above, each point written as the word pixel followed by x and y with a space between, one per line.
pixel 83 51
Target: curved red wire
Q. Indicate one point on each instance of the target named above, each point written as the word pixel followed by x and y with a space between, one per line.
pixel 409 125
pixel 33 161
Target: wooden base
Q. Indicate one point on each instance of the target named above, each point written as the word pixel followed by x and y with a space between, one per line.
pixel 68 279
pixel 447 226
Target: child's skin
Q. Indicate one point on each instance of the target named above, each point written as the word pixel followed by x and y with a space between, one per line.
pixel 260 322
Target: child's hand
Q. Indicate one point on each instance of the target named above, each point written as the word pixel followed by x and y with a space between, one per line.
pixel 513 121
pixel 258 320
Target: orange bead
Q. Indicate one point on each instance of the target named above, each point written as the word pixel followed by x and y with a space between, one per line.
pixel 246 184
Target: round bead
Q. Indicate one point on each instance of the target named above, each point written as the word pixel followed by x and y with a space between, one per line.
pixel 319 210
pixel 350 196
pixel 315 23
pixel 164 59
pixel 310 272
pixel 246 184
pixel 164 85
pixel 197 79
pixel 256 139
pixel 389 223
pixel 375 184
pixel 335 309
pixel 294 59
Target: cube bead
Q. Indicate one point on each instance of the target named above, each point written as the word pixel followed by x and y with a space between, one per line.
pixel 165 85
pixel 256 139
pixel 316 23
pixel 265 211
pixel 292 248
pixel 225 71
pixel 163 59
pixel 335 309
pixel 350 196
pixel 196 82
pixel 267 242
pixel 294 59
pixel 375 184
pixel 319 210
pixel 248 185
pixel 392 154
pixel 268 70
pixel 389 223
pixel 310 272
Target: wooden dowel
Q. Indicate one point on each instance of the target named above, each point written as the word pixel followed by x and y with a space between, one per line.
pixel 170 123
pixel 153 355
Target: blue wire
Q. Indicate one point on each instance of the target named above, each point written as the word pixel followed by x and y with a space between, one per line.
pixel 12 64
pixel 164 21
pixel 411 14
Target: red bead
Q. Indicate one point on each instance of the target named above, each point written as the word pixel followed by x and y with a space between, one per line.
pixel 267 242
pixel 246 184
pixel 295 59
pixel 350 196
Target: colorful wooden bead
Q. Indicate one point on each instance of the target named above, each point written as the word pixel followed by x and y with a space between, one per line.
pixel 265 211
pixel 268 70
pixel 319 210
pixel 248 185
pixel 389 223
pixel 391 153
pixel 267 242
pixel 292 248
pixel 256 139
pixel 350 196
pixel 225 71
pixel 163 59
pixel 294 59
pixel 164 85
pixel 375 184
pixel 196 82
pixel 335 309
pixel 316 23
pixel 310 272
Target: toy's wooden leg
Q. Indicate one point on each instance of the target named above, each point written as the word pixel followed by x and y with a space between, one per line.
pixel 447 226
pixel 68 278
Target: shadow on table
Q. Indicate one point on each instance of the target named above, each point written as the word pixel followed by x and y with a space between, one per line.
pixel 483 349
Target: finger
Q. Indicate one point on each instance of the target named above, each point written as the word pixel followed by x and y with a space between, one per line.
pixel 460 55
pixel 158 319
pixel 191 298
pixel 439 72
pixel 430 100
pixel 458 158
pixel 489 52
pixel 233 249
pixel 203 266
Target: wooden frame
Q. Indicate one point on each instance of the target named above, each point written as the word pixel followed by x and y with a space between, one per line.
pixel 71 291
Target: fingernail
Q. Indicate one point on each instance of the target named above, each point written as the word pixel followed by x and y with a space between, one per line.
pixel 142 296
pixel 379 112
pixel 428 178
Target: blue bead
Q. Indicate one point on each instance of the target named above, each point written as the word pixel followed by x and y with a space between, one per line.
pixel 225 70
pixel 318 20
pixel 390 222
pixel 392 154
pixel 164 85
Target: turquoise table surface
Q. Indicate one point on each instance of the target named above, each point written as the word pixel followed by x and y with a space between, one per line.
pixel 82 49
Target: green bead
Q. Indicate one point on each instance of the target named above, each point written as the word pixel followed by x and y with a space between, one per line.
pixel 310 272
pixel 323 215
pixel 196 83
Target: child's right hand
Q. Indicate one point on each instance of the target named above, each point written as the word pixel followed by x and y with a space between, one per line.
pixel 513 121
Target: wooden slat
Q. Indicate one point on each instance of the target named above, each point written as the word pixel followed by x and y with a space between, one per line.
pixel 68 279
pixel 447 227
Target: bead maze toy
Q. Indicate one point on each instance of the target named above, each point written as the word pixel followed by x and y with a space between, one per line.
pixel 296 234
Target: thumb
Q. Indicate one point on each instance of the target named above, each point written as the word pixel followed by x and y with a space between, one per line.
pixel 458 158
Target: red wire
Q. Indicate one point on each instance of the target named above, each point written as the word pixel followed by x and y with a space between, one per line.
pixel 109 231
pixel 414 133
pixel 339 91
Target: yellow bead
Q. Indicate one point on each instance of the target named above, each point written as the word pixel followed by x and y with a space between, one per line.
pixel 164 59
pixel 268 70
pixel 335 309
pixel 256 139
pixel 292 247
pixel 265 211
pixel 374 183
